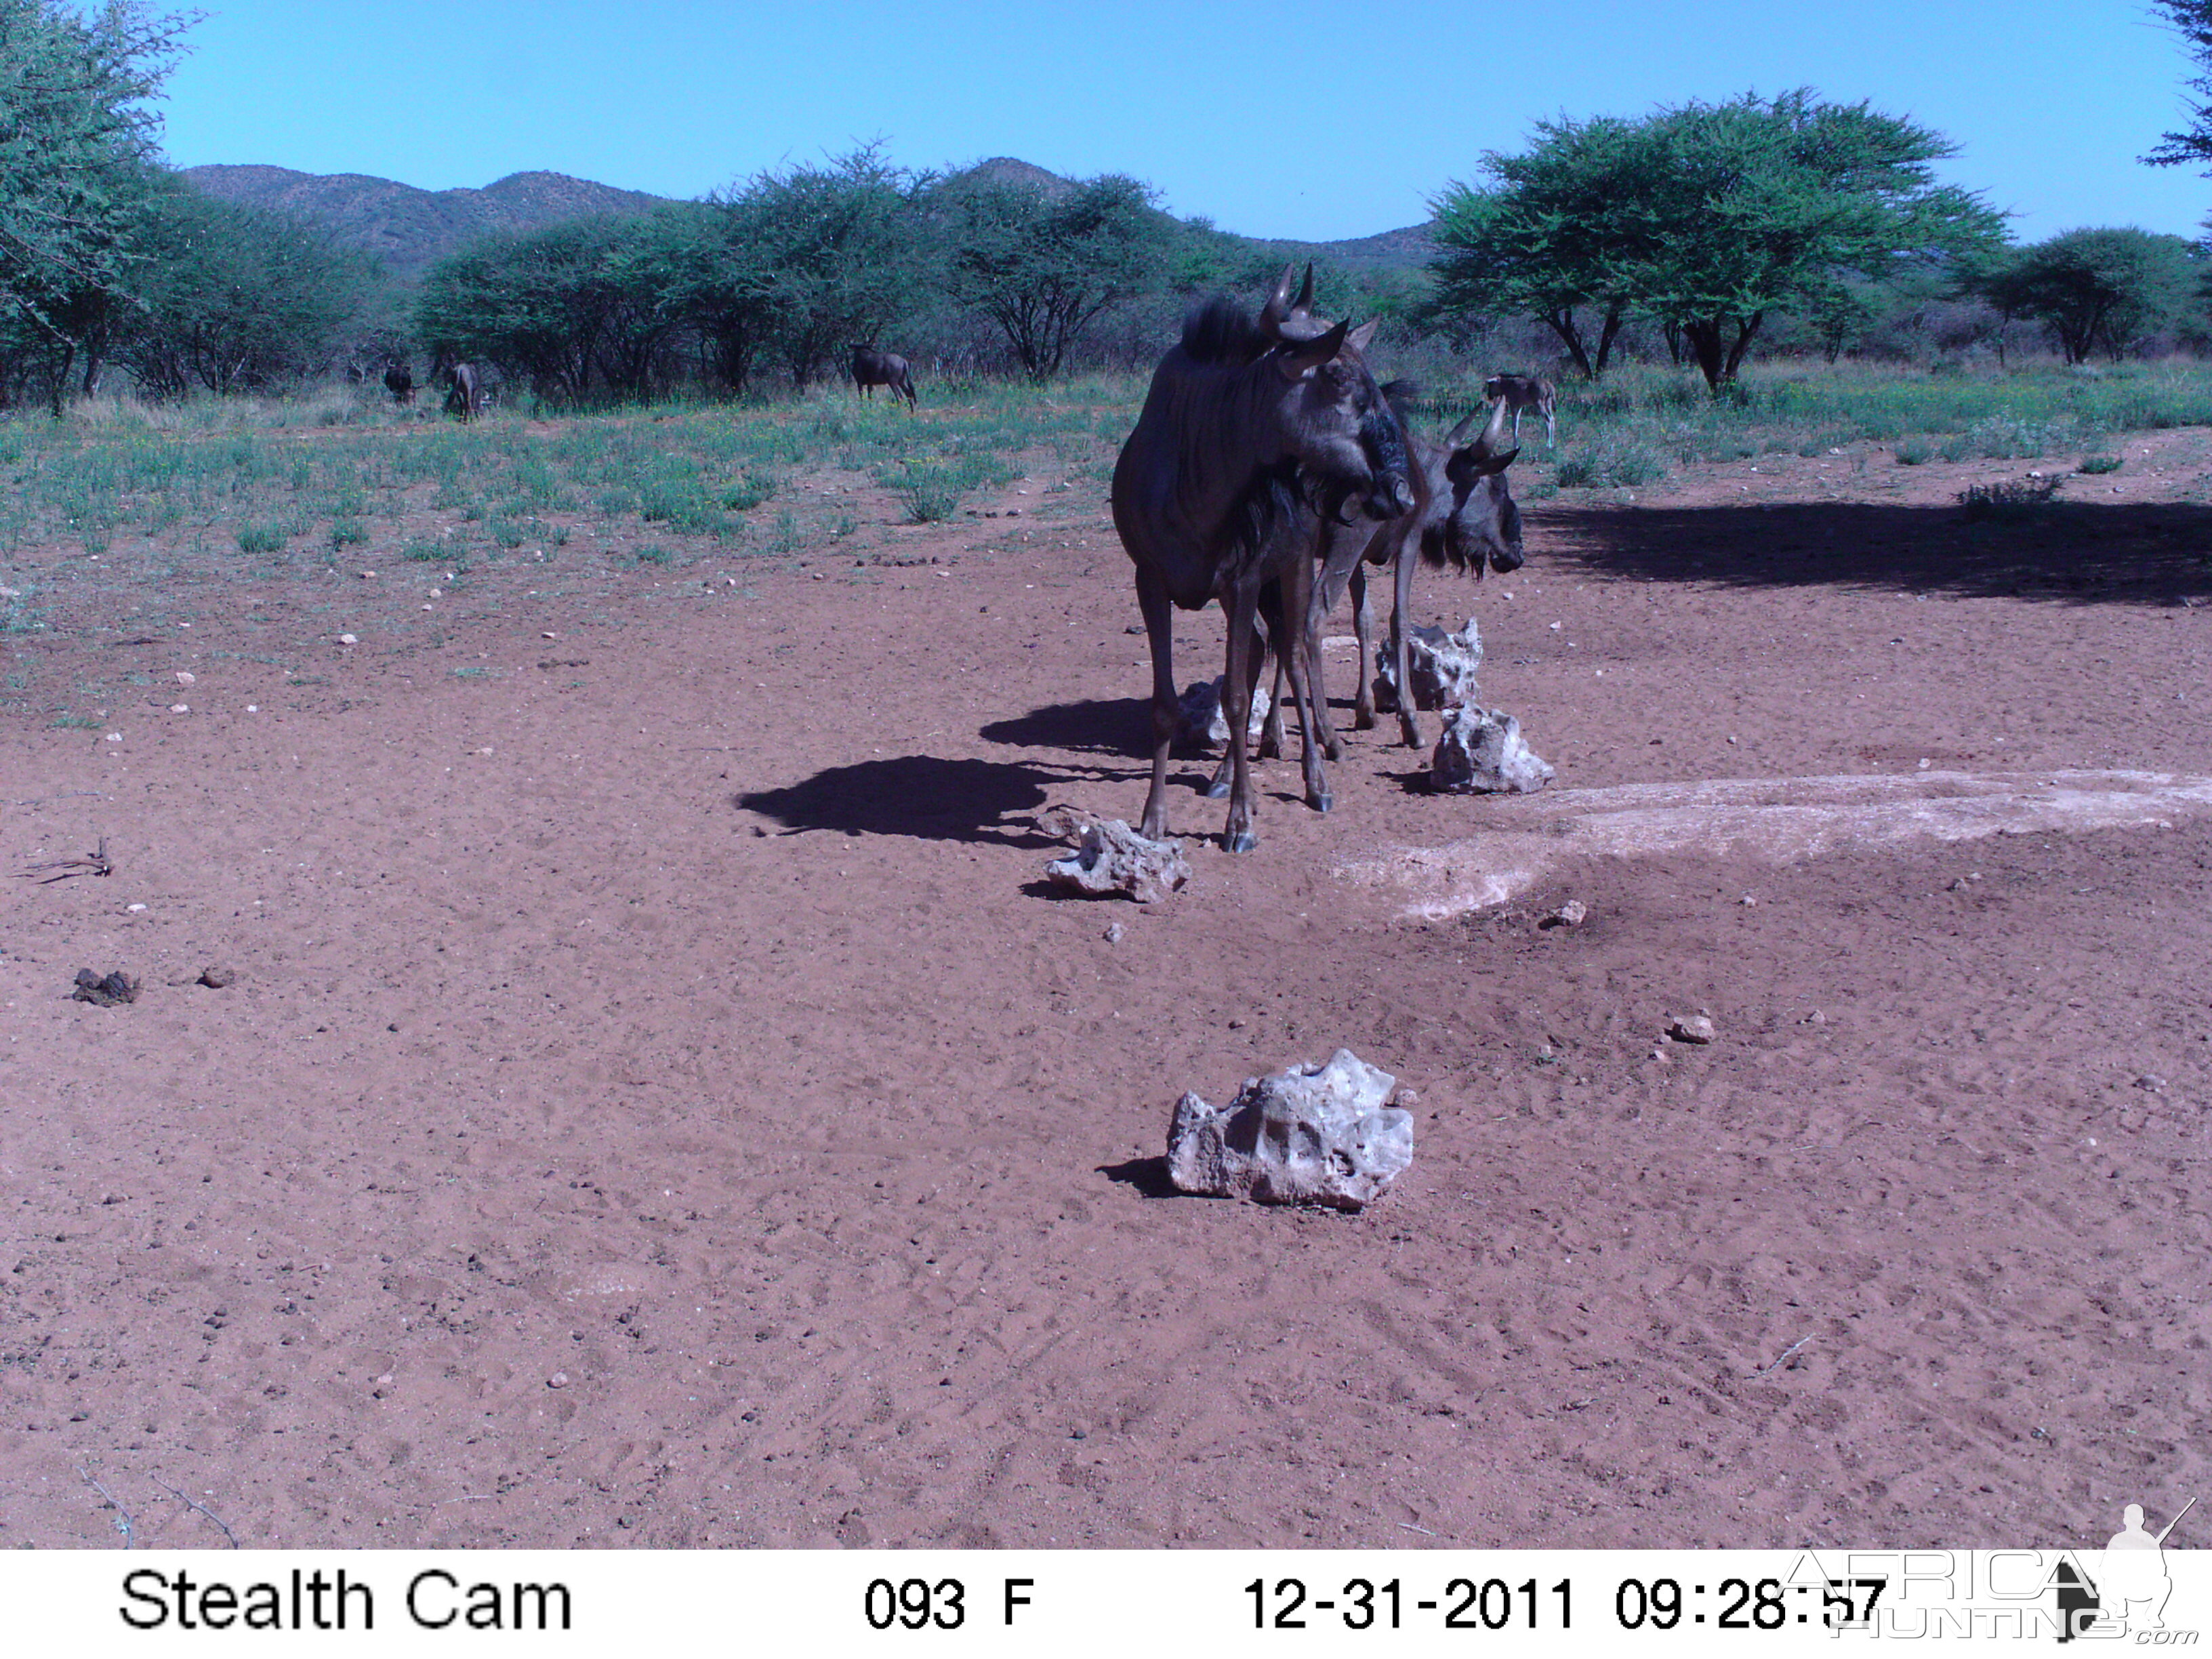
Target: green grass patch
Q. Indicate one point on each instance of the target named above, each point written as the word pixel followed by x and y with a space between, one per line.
pixel 260 539
pixel 2098 465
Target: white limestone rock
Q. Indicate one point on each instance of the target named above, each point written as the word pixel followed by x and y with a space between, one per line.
pixel 1116 859
pixel 1482 752
pixel 1444 667
pixel 1203 719
pixel 1314 1134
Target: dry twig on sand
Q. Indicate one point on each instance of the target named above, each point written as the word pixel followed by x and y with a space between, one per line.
pixel 126 1527
pixel 1784 1356
pixel 193 1504
pixel 92 864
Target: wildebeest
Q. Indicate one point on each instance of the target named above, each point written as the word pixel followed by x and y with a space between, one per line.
pixel 399 381
pixel 873 369
pixel 1520 392
pixel 1244 425
pixel 1463 516
pixel 1466 519
pixel 464 383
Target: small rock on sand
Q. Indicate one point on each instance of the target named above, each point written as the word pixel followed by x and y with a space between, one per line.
pixel 217 978
pixel 1116 859
pixel 1572 914
pixel 1690 1027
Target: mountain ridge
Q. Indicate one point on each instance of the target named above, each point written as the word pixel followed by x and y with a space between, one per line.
pixel 410 228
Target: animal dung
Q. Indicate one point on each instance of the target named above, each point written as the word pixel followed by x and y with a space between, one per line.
pixel 1313 1134
pixel 104 992
pixel 1443 667
pixel 1115 858
pixel 1481 752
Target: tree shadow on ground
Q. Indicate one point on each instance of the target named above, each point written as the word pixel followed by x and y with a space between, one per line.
pixel 923 796
pixel 2072 552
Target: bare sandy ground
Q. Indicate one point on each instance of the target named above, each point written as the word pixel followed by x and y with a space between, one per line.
pixel 660 1104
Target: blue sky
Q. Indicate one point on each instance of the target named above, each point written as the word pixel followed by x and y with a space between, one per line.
pixel 1283 120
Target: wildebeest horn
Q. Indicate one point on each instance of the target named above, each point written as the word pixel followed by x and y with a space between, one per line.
pixel 1304 301
pixel 1492 441
pixel 1296 356
pixel 1278 302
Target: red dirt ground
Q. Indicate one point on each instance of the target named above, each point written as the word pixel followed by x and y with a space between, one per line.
pixel 660 1104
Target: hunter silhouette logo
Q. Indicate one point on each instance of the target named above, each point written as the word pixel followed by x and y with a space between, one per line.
pixel 2132 1583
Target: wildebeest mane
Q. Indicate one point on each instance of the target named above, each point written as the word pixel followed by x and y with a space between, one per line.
pixel 1220 330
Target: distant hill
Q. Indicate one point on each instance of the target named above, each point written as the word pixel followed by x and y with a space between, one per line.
pixel 410 229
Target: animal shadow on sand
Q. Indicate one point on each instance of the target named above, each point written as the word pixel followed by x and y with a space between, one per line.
pixel 1119 727
pixel 924 796
pixel 2075 552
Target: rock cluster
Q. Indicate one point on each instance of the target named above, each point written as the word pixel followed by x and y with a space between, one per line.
pixel 1314 1134
pixel 1443 667
pixel 1203 720
pixel 1115 858
pixel 1482 752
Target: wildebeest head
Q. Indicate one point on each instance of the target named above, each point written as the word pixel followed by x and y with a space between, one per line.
pixel 1332 418
pixel 1474 520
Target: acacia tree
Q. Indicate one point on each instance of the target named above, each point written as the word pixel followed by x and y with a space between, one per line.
pixel 232 298
pixel 2096 289
pixel 834 254
pixel 76 145
pixel 1709 217
pixel 2192 145
pixel 1043 263
pixel 1543 240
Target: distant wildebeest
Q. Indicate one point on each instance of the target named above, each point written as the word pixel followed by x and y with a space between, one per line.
pixel 399 381
pixel 873 369
pixel 464 383
pixel 1246 424
pixel 1520 392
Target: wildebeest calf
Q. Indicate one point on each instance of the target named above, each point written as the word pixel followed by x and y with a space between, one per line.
pixel 1520 392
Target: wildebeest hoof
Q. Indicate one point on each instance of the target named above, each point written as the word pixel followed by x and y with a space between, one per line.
pixel 1322 801
pixel 1241 841
pixel 1363 720
pixel 1217 789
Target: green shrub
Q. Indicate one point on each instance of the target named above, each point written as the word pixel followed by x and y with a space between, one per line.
pixel 1914 451
pixel 748 492
pixel 347 532
pixel 260 539
pixel 2008 502
pixel 1613 463
pixel 2096 466
pixel 653 554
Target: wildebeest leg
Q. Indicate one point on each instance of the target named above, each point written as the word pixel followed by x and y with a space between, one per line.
pixel 1272 734
pixel 1298 646
pixel 1315 697
pixel 1401 605
pixel 1363 625
pixel 1167 717
pixel 1236 681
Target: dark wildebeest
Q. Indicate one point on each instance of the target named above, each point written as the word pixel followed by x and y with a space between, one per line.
pixel 1520 392
pixel 399 381
pixel 1466 519
pixel 464 383
pixel 873 369
pixel 1244 429
pixel 1463 516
